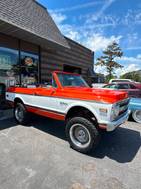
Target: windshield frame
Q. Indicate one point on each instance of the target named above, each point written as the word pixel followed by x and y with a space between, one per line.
pixel 74 76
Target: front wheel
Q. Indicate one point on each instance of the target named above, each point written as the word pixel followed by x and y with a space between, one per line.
pixel 137 116
pixel 82 134
pixel 21 114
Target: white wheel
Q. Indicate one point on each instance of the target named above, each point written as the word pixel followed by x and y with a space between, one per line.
pixel 137 116
pixel 80 135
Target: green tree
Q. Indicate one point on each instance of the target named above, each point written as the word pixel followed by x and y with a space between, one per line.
pixel 108 59
pixel 135 75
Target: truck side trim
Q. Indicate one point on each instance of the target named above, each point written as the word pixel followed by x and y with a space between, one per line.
pixel 46 113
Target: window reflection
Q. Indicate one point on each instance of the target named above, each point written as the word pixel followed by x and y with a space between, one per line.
pixel 29 68
pixel 11 71
pixel 9 65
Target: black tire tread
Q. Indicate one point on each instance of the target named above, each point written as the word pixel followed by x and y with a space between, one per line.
pixel 95 134
pixel 26 114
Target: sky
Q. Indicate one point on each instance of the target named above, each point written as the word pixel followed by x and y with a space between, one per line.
pixel 97 23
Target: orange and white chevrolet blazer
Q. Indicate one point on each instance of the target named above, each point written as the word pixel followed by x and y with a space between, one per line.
pixel 85 110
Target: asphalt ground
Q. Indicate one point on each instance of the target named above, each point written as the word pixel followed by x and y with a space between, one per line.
pixel 39 157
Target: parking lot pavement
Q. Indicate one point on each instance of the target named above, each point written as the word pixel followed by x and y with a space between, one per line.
pixel 39 157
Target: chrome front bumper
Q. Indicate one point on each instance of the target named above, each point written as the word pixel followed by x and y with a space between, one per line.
pixel 110 126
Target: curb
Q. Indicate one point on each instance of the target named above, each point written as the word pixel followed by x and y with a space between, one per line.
pixel 6 114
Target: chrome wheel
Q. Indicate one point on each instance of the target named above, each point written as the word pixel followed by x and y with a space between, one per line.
pixel 137 116
pixel 80 135
pixel 19 114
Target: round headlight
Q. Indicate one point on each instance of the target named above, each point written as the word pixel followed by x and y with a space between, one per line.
pixel 115 111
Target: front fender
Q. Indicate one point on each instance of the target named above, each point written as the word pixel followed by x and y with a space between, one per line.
pixel 84 105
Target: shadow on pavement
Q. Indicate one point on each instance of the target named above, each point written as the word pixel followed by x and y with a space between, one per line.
pixel 50 126
pixel 121 145
pixel 5 124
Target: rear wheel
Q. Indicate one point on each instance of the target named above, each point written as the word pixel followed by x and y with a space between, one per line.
pixel 137 116
pixel 20 113
pixel 82 134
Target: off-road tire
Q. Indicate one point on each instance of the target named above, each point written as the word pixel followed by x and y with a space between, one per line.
pixel 85 126
pixel 24 118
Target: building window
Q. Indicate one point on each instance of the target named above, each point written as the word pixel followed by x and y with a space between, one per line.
pixel 29 68
pixel 9 66
pixel 19 61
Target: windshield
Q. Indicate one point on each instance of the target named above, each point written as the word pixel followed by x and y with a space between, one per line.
pixel 113 86
pixel 71 80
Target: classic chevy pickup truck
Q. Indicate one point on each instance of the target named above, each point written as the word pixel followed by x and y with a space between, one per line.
pixel 85 110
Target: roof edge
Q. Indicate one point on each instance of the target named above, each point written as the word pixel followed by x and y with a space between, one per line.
pixel 39 4
pixel 31 32
pixel 78 43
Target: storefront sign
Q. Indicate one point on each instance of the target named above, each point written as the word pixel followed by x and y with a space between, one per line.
pixel 28 61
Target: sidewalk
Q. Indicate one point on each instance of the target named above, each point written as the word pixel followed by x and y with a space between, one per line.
pixel 6 114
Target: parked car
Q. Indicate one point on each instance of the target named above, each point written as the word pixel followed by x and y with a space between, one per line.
pixel 135 108
pixel 137 84
pixel 120 80
pixel 130 87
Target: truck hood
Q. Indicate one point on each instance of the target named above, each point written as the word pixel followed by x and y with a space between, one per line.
pixel 96 94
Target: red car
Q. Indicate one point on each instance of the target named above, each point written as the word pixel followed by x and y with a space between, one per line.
pixel 138 85
pixel 133 89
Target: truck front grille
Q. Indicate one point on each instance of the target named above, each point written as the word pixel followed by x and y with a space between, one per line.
pixel 123 106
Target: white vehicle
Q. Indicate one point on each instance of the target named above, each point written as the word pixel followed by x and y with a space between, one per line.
pixel 120 80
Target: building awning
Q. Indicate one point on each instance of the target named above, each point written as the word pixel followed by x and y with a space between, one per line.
pixel 29 21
